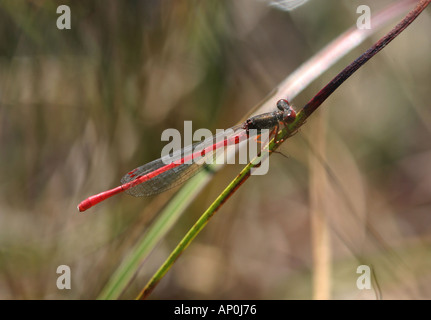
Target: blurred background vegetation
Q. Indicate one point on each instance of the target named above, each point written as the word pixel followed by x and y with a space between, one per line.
pixel 79 108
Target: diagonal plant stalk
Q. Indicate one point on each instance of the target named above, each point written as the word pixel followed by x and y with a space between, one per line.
pixel 289 88
pixel 121 278
pixel 284 134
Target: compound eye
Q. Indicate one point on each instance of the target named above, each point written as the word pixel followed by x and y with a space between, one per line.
pixel 283 104
pixel 290 115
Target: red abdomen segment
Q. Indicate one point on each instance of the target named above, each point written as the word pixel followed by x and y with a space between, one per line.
pixel 93 200
pixel 156 176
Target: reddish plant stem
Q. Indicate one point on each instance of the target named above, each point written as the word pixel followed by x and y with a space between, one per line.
pixel 323 94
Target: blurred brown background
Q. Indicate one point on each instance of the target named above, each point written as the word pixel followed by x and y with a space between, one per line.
pixel 79 108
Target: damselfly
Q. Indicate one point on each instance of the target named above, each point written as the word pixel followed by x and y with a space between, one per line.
pixel 171 170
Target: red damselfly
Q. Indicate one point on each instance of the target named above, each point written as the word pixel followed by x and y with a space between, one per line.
pixel 171 170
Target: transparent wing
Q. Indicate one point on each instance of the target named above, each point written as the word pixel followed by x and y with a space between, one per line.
pixel 207 150
pixel 162 182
